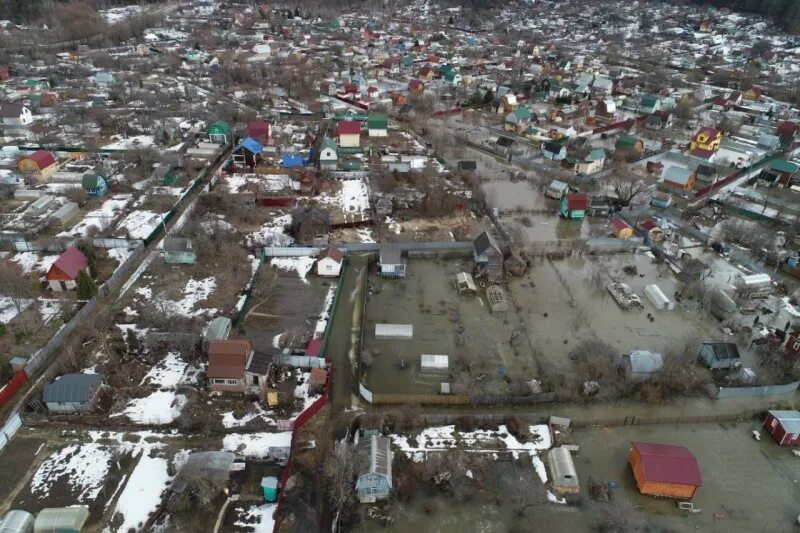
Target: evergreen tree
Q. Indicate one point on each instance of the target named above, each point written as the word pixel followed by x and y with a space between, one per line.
pixel 87 288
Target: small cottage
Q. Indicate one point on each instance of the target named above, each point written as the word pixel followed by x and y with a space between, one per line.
pixel 391 261
pixel 349 133
pixel 784 426
pixel 38 161
pixel 227 361
pixel 63 273
pixel 375 480
pixel 310 226
pixel 72 393
pixel 328 154
pixel 488 257
pixel 378 125
pixel 679 178
pixel 706 143
pixel 247 153
pixel 574 205
pixel 621 229
pixel 665 471
pixel 179 251
pixel 329 262
pixel 716 355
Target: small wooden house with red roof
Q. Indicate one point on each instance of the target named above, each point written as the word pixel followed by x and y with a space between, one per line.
pixel 574 205
pixel 259 130
pixel 63 273
pixel 753 93
pixel 416 87
pixel 426 73
pixel 665 470
pixel 349 133
pixel 40 161
pixel 621 229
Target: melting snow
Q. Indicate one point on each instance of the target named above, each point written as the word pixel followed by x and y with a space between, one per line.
pixel 272 233
pixel 8 310
pixel 31 262
pixel 142 494
pixel 167 374
pixel 302 265
pixel 258 518
pixel 82 466
pixel 256 444
pixel 161 407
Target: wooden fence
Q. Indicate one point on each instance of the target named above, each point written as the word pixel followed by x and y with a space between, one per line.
pixel 634 420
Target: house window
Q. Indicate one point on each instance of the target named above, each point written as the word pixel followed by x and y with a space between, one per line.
pixel 218 381
pixel 232 381
pixel 797 346
pixel 255 380
pixel 773 423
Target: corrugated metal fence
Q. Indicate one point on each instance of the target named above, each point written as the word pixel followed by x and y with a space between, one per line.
pixel 10 429
pixel 764 390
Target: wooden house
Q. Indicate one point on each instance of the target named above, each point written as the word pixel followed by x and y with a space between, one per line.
pixel 349 133
pixel 328 154
pixel 574 205
pixel 621 229
pixel 310 226
pixel 706 143
pixel 488 256
pixel 679 178
pixel 664 470
pixel 227 361
pixel 784 426
pixel 416 88
pixel 63 273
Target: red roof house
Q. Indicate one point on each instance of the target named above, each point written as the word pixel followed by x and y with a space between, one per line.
pixel 258 130
pixel 38 160
pixel 416 86
pixel 784 426
pixel 63 273
pixel 314 347
pixel 665 470
pixel 227 362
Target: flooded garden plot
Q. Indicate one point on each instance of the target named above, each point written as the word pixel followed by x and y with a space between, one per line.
pixel 747 485
pixel 289 305
pixel 565 301
pixel 444 323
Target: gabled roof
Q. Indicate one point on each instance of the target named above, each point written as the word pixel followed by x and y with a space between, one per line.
pixel 790 420
pixel 619 224
pixel 677 175
pixel 348 127
pixel 723 350
pixel 71 262
pixel 71 388
pixel 251 145
pixel 483 242
pixel 331 252
pixel 43 158
pixel 13 110
pixel 576 201
pixel 663 463
pixel 329 143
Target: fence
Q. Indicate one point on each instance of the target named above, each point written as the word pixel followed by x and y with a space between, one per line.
pixel 9 429
pixel 747 414
pixel 764 390
pixel 248 294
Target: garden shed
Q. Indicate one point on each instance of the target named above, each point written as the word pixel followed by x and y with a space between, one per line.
pixel 665 470
pixel 72 393
pixel 61 519
pixel 219 132
pixel 720 355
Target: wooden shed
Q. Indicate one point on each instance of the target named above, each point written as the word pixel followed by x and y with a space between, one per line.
pixel 665 470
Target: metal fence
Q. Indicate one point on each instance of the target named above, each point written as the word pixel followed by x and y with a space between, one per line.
pixel 764 390
pixel 635 420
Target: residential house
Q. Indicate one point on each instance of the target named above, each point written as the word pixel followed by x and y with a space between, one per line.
pixel 219 132
pixel 374 482
pixel 227 361
pixel 63 273
pixel 416 87
pixel 310 226
pixel 518 120
pixel 72 393
pixel 705 176
pixel 349 132
pixel 649 104
pixel 453 77
pixel 592 163
pixel 329 262
pixel 706 143
pixel 628 147
pixel 678 178
pixel 328 154
pixel 716 355
pixel 658 121
pixel 753 93
pixel 621 229
pixel 556 189
pixel 179 251
pixel 378 125
pixel 641 365
pixel 784 426
pixel 792 344
pixel 664 470
pixel 259 130
pixel 574 205
pixel 426 73
pixel 103 79
pixel 606 108
pixel 94 184
pixel 391 261
pixel 554 150
pixel 247 153
pixel 40 161
pixel 509 103
pixel 488 257
pixel 653 233
pixel 780 172
pixel 15 114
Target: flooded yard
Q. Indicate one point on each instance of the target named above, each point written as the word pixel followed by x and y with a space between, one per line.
pixel 445 322
pixel 564 301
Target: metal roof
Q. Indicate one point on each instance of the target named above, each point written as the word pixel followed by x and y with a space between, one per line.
pixel 16 521
pixel 71 388
pixel 664 463
pixel 645 362
pixel 790 420
pixel 56 519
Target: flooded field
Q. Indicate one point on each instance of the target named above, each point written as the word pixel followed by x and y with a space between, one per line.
pixel 445 323
pixel 563 303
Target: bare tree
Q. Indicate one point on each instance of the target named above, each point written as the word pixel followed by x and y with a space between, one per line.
pixel 619 516
pixel 627 186
pixel 526 490
pixel 340 471
pixel 16 287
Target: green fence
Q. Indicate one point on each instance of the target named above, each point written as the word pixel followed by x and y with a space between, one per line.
pixel 332 313
pixel 249 294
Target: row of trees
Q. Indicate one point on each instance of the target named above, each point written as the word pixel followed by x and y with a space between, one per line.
pixel 786 13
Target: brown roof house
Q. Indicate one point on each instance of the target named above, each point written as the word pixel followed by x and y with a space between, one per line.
pixel 329 262
pixel 227 364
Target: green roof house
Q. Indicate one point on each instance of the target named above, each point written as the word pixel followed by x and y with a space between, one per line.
pixel 94 184
pixel 518 119
pixel 328 154
pixel 453 77
pixel 378 125
pixel 219 132
pixel 649 104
